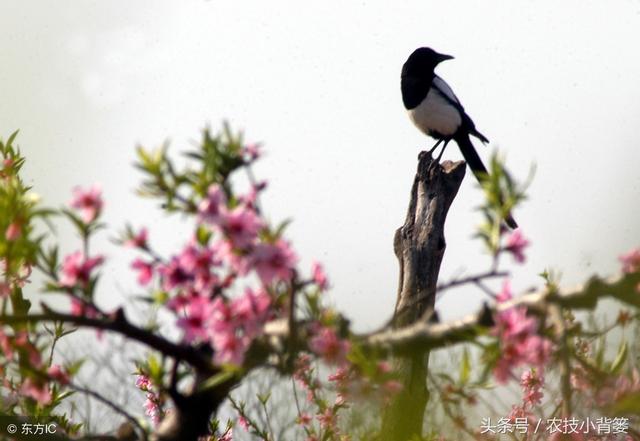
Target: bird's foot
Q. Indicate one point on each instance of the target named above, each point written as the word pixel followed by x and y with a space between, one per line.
pixel 433 149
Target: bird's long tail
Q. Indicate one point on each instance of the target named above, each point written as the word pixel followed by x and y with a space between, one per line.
pixel 477 167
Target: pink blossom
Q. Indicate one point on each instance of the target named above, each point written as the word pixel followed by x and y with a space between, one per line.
pixel 241 226
pixel 519 342
pixel 519 412
pixel 5 345
pixel 174 275
pixel 384 367
pixel 516 243
pixel 80 308
pixel 232 327
pixel 89 202
pixel 532 382
pixel 13 232
pixel 221 316
pixel 178 303
pixel 319 276
pixel 210 208
pixel 38 391
pixel 304 419
pixel 194 323
pixel 340 376
pixel 242 422
pixel 198 262
pixel 327 419
pixel 302 368
pixel 392 386
pixel 631 261
pixel 227 436
pixel 19 279
pixel 77 268
pixel 195 259
pixel 138 240
pixel 616 388
pixel 230 348
pixel 56 372
pixel 626 385
pixel 145 271
pixel 152 407
pixel 252 151
pixel 327 344
pixel 273 261
pixel 251 310
pixel 505 294
pixel 5 289
pixel 143 382
pixel 251 198
pixel 21 341
pixel 579 379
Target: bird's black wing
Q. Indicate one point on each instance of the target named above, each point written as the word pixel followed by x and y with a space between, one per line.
pixel 447 93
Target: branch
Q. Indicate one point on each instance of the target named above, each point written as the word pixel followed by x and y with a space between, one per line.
pixel 432 336
pixel 118 323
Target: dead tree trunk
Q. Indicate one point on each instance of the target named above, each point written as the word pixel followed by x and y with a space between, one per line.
pixel 419 246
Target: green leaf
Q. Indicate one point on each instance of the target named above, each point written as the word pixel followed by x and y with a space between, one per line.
pixel 599 359
pixel 155 368
pixel 263 398
pixel 620 358
pixel 627 405
pixel 12 137
pixel 465 367
pixel 203 235
pixel 217 380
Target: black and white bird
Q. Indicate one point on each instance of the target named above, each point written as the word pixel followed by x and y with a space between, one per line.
pixel 437 111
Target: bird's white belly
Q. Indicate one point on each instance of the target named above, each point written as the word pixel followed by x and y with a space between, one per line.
pixel 436 114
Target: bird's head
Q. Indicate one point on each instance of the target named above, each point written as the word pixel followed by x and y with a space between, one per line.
pixel 422 62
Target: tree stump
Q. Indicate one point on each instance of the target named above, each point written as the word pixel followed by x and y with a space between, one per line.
pixel 419 245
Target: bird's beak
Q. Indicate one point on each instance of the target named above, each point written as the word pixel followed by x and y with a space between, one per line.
pixel 443 57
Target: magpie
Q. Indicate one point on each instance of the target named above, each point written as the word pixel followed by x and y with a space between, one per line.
pixel 437 111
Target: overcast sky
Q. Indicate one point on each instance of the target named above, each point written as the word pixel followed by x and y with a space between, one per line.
pixel 551 83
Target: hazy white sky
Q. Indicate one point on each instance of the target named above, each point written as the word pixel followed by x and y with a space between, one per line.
pixel 550 83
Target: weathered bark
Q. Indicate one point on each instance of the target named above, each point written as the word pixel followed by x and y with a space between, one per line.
pixel 419 246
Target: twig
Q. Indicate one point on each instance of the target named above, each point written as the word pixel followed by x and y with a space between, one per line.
pixel 107 402
pixel 471 279
pixel 267 419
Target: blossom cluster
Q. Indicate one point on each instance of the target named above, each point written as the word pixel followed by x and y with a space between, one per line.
pixel 210 284
pixel 532 382
pixel 153 402
pixel 347 385
pixel 36 386
pixel 520 343
pixel 200 275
